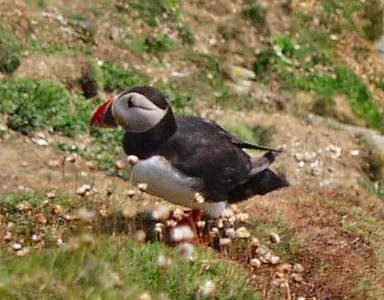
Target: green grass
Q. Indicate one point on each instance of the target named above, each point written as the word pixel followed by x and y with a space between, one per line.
pixel 254 13
pixel 252 134
pixel 156 11
pixel 92 264
pixel 10 52
pixel 40 105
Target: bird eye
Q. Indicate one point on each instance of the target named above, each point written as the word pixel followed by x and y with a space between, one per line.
pixel 130 102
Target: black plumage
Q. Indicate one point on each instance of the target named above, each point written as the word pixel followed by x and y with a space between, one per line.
pixel 203 150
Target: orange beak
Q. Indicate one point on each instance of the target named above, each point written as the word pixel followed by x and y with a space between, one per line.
pixel 102 117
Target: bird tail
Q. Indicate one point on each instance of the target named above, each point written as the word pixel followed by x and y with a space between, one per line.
pixel 259 184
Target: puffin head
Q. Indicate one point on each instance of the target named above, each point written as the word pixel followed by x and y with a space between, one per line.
pixel 136 110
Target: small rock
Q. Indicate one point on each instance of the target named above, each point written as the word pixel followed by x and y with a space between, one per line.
pixel 237 73
pixel 355 152
pixel 131 193
pixel 40 141
pixel 255 242
pixel 16 246
pixel 274 260
pixel 301 164
pixel 230 233
pixel 142 186
pixel 255 263
pixel 274 238
pixel 41 218
pixel 84 190
pixel 57 209
pixel 53 164
pixel 242 217
pixel 24 206
pixel 298 268
pixel 224 241
pixel 297 277
pixel 242 233
pixel 91 165
pixel 51 194
pixel 119 165
pixel 72 157
pixel 298 157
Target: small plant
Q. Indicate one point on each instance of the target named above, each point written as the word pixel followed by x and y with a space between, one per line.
pixel 9 52
pixel 160 43
pixel 84 27
pixel 373 15
pixel 45 104
pixel 91 78
pixel 186 34
pixel 155 11
pixel 255 14
pixel 117 78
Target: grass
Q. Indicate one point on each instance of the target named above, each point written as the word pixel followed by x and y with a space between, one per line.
pixel 254 13
pixel 92 264
pixel 40 105
pixel 252 134
pixel 10 52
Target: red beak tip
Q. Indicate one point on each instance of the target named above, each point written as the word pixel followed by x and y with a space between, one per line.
pixel 98 116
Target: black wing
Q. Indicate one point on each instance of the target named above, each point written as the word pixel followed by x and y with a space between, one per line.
pixel 238 142
pixel 200 150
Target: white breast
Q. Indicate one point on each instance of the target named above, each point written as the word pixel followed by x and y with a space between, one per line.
pixel 167 182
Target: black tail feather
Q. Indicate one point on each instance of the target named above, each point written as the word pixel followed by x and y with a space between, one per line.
pixel 259 184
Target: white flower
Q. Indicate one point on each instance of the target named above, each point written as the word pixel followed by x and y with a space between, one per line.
pixel 207 289
pixel 185 250
pixel 182 233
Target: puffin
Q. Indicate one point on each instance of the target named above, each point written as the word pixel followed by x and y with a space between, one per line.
pixel 187 160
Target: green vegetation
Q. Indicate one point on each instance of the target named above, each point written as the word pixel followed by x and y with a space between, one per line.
pixel 284 58
pixel 117 78
pixel 10 52
pixel 254 13
pixel 46 104
pixel 90 264
pixel 288 248
pixel 155 11
pixel 91 79
pixel 84 28
pixel 157 44
pixel 252 134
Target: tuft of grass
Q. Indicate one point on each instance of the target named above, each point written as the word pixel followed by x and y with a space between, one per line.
pixel 373 15
pixel 158 43
pixel 254 13
pixel 85 28
pixel 288 248
pixel 10 52
pixel 253 134
pixel 117 78
pixel 156 11
pixel 91 78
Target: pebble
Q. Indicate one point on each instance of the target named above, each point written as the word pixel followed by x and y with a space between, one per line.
pixel 142 186
pixel 53 164
pixel 274 260
pixel 274 238
pixel 242 233
pixel 40 141
pixel 255 263
pixel 355 152
pixel 298 268
pixel 16 246
pixel 84 190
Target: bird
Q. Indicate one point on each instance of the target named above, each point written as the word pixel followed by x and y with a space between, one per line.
pixel 187 160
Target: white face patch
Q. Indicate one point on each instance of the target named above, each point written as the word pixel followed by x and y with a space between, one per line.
pixel 135 113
